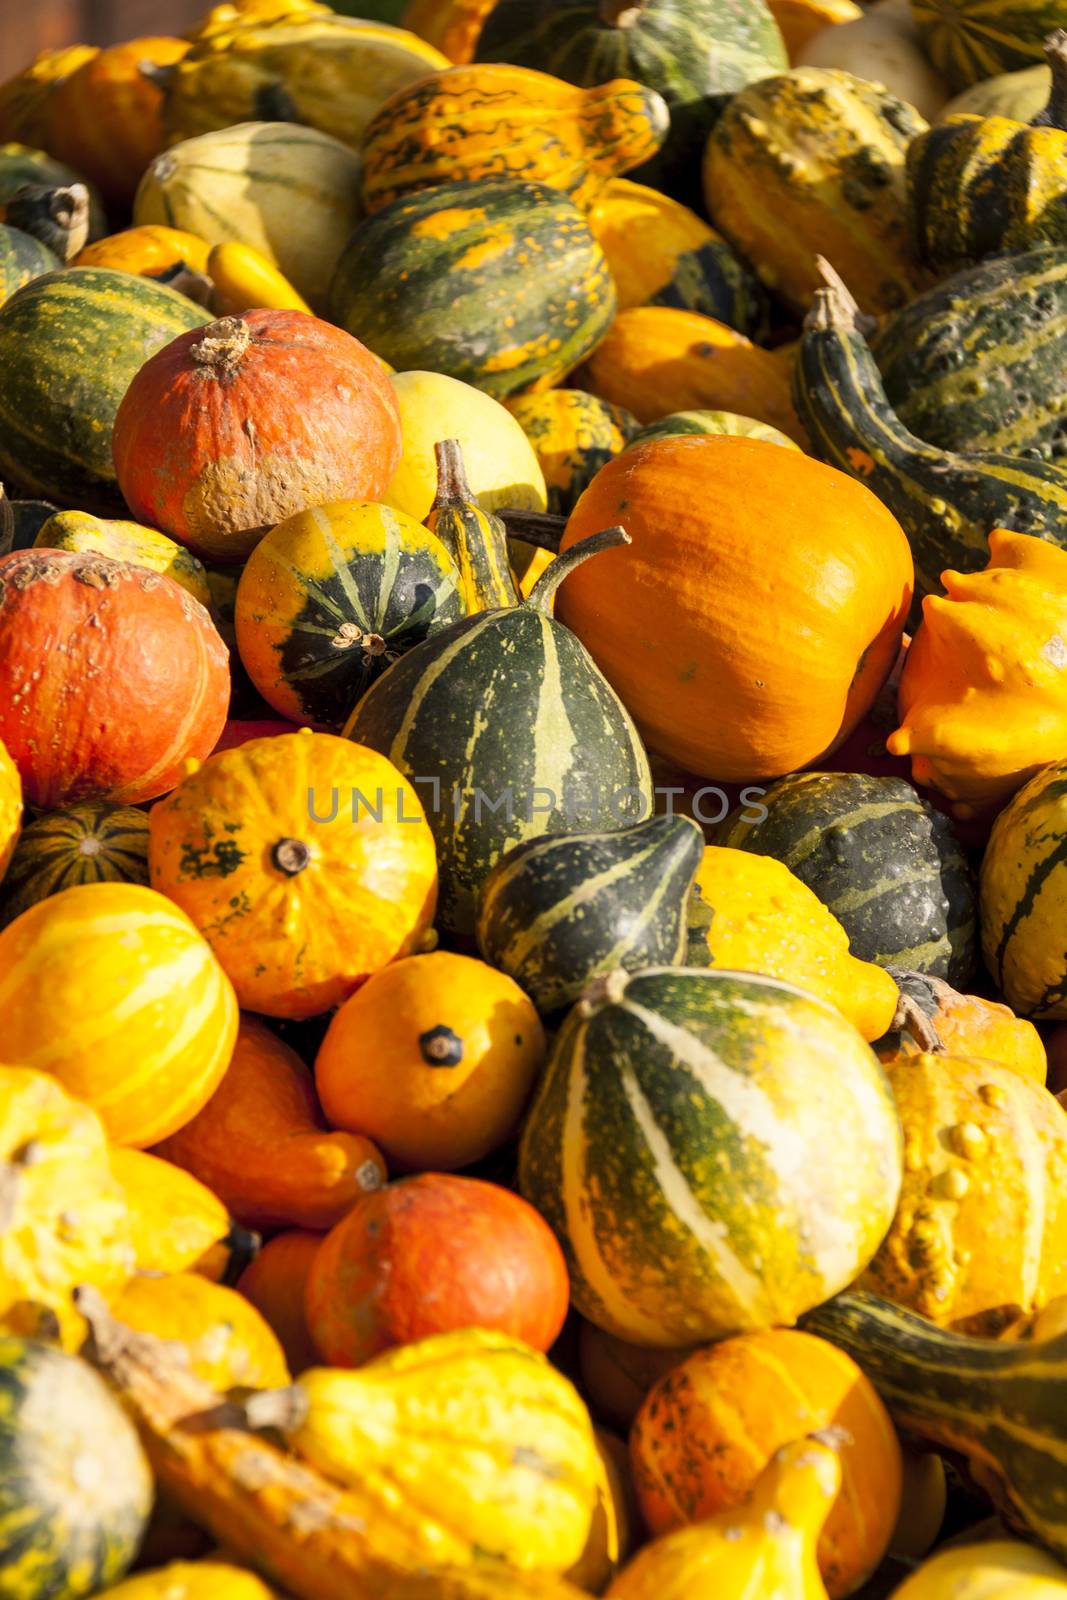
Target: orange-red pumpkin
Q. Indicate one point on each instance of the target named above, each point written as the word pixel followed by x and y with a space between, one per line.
pixel 105 119
pixel 709 1426
pixel 262 1145
pixel 761 604
pixel 110 677
pixel 429 1255
pixel 228 430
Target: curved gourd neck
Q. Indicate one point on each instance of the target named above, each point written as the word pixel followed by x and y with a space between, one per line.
pixel 1054 114
pixel 544 590
pixel 475 539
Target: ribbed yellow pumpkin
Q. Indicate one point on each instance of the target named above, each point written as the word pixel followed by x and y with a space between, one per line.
pixel 110 988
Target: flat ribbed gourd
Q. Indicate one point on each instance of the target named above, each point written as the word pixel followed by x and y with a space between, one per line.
pixel 880 858
pixel 969 40
pixel 979 185
pixel 511 732
pixel 947 503
pixel 684 1163
pixel 979 363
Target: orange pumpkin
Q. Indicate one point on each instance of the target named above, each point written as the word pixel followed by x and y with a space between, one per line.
pixel 275 1284
pixel 307 862
pixel 230 1345
pixel 434 1254
pixel 111 989
pixel 452 25
pixel 434 1059
pixel 148 251
pixel 617 1375
pixel 708 1428
pixel 659 359
pixel 105 119
pixel 965 1025
pixel 752 620
pixel 262 1146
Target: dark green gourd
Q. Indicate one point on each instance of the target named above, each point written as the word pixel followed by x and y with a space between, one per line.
pixel 561 910
pixel 22 257
pixel 880 858
pixel 509 731
pixel 946 503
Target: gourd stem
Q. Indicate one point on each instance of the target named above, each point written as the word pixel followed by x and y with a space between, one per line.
pixel 242 1246
pixel 1054 114
pixel 221 346
pixel 910 1018
pixel 451 475
pixel 153 72
pixel 57 215
pixel 541 595
pixel 541 528
pixel 620 13
pixel 7 523
pixel 834 306
pixel 290 856
pixel 284 1409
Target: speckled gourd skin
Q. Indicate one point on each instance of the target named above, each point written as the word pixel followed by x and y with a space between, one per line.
pixel 573 435
pixel 22 258
pixel 808 163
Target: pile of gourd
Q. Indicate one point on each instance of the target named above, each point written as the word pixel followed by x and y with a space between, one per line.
pixel 533 804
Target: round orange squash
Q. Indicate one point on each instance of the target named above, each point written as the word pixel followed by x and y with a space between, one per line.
pixel 275 1283
pixel 106 119
pixel 307 862
pixel 433 1059
pixel 111 989
pixel 752 620
pixel 708 1428
pixel 261 1143
pixel 230 1345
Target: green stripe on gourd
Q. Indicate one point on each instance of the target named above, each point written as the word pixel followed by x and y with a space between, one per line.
pixel 979 362
pixel 880 858
pixel 560 911
pixel 70 344
pixel 497 283
pixel 968 40
pixel 509 731
pixel 695 53
pixel 1024 897
pixel 1001 1403
pixel 946 503
pixel 714 422
pixel 683 1160
pixel 92 842
pixel 22 258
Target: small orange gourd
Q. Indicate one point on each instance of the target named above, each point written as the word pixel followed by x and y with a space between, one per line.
pixel 275 1283
pixel 964 1025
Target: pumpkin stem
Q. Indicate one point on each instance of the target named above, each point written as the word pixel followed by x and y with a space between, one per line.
pixel 7 523
pixel 1054 114
pixel 606 990
pixel 242 1245
pixel 284 1409
pixel 57 216
pixel 910 1017
pixel 221 346
pixel 290 856
pixel 541 595
pixel 620 13
pixel 451 475
pixel 541 528
pixel 834 306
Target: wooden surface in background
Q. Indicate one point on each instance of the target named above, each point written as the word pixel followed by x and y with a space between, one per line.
pixel 29 26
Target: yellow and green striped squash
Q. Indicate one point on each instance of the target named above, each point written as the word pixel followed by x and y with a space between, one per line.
pixel 334 595
pixel 75 1487
pixel 92 842
pixel 969 40
pixel 1024 897
pixel 22 258
pixel 811 163
pixel 676 423
pixel 127 541
pixel 573 434
pixel 683 1160
pixel 1002 1404
pixel 979 186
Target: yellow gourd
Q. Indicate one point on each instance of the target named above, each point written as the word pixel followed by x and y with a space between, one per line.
pixel 753 915
pixel 10 808
pixel 480 1436
pixel 764 1548
pixel 245 280
pixel 611 1534
pixel 192 1580
pixel 983 693
pixel 126 541
pixel 229 1344
pixel 177 1224
pixel 232 14
pixel 1001 1569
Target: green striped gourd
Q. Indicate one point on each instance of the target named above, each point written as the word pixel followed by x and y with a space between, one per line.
pixel 716 422
pixel 978 186
pixel 968 40
pixel 499 283
pixel 22 258
pixel 684 1160
pixel 573 435
pixel 881 859
pixel 561 910
pixel 510 732
pixel 475 539
pixel 979 362
pixel 695 53
pixel 1000 1403
pixel 77 1488
pixel 91 842
pixel 1024 897
pixel 70 343
pixel 946 503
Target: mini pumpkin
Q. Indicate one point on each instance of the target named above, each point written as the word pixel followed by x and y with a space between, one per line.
pixel 962 1025
pixel 88 843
